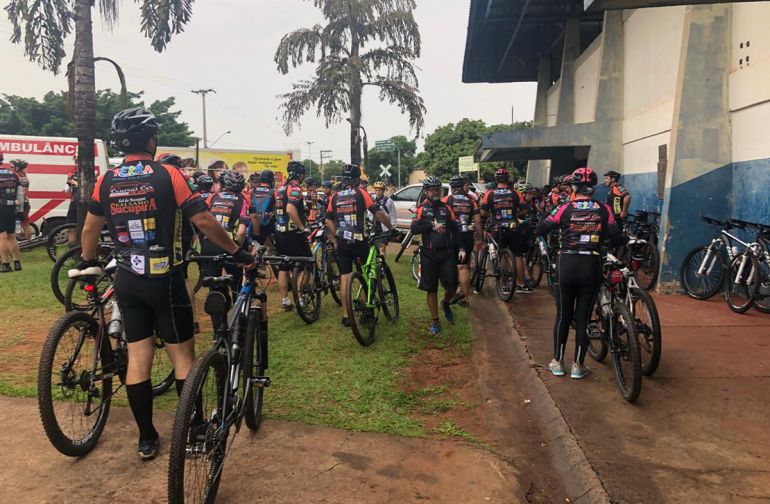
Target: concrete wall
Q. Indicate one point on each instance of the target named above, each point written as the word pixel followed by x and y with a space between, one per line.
pixel 553 103
pixel 587 82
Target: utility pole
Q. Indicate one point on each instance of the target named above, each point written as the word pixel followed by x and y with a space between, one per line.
pixel 324 154
pixel 203 93
pixel 310 157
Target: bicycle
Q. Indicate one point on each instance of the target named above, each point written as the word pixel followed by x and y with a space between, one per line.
pixel 81 355
pixel 415 266
pixel 749 281
pixel 224 386
pixel 503 267
pixel 60 280
pixel 58 238
pixel 320 276
pixel 370 290
pixel 612 329
pixel 704 268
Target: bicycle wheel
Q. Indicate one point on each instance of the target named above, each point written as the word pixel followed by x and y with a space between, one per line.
pixel 199 438
pixel 61 284
pixel 57 240
pixel 362 317
pixel 416 266
pixel 60 271
pixel 647 325
pixel 480 273
pixel 404 244
pixel 645 262
pixel 626 360
pixel 762 297
pixel 740 289
pixel 552 275
pixel 306 291
pixel 702 286
pixel 333 276
pixel 505 281
pixel 73 403
pixel 162 376
pixel 534 266
pixel 386 287
pixel 597 343
pixel 253 366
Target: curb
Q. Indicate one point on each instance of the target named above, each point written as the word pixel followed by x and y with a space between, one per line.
pixel 575 471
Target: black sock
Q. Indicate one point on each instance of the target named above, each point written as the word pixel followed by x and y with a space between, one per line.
pixel 179 386
pixel 140 400
pixel 436 321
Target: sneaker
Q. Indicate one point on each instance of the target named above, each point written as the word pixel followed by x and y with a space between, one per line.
pixel 5 268
pixel 524 289
pixel 149 449
pixel 556 367
pixel 346 321
pixel 435 328
pixel 580 371
pixel 448 315
pixel 287 307
pixel 16 265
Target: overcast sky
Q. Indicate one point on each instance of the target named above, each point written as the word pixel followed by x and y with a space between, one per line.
pixel 229 46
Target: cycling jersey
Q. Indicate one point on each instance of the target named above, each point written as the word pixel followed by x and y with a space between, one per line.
pixel 503 207
pixel 9 188
pixel 464 208
pixel 390 208
pixel 615 198
pixel 229 209
pixel 438 212
pixel 584 224
pixel 347 208
pixel 144 203
pixel 290 193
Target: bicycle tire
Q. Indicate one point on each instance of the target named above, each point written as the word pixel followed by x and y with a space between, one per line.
pixel 47 403
pixel 404 244
pixel 688 274
pixel 333 276
pixel 388 294
pixel 480 273
pixel 631 388
pixel 306 291
pixel 762 297
pixel 56 238
pixel 505 281
pixel 63 263
pixel 253 365
pixel 207 432
pixel 597 343
pixel 553 276
pixel 648 268
pixel 361 316
pixel 162 369
pixel 732 291
pixel 648 332
pixel 534 264
pixel 416 272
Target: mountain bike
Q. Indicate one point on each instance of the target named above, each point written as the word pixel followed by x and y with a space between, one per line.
pixel 68 260
pixel 612 329
pixel 370 290
pixel 313 279
pixel 503 267
pixel 748 283
pixel 81 355
pixel 704 268
pixel 224 386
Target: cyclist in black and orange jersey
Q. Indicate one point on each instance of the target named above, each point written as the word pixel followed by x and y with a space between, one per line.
pixel 11 210
pixel 618 197
pixel 290 226
pixel 468 216
pixel 523 234
pixel 143 203
pixel 346 222
pixel 584 223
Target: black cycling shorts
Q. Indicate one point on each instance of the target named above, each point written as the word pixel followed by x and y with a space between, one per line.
pixel 350 252
pixel 466 242
pixel 438 266
pixel 8 219
pixel 72 212
pixel 264 233
pixel 521 239
pixel 291 244
pixel 150 303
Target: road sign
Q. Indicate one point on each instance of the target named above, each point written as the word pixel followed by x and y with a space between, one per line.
pixel 384 146
pixel 466 164
pixel 385 173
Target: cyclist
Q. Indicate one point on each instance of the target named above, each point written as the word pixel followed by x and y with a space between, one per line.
pixel 20 167
pixel 311 201
pixel 290 222
pixel 215 169
pixel 618 197
pixel 11 210
pixel 143 202
pixel 468 217
pixel 500 207
pixel 389 207
pixel 262 208
pixel 523 234
pixel 324 197
pixel 584 224
pixel 440 250
pixel 346 222
pixel 253 183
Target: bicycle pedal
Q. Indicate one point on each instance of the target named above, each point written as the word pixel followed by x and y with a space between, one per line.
pixel 261 382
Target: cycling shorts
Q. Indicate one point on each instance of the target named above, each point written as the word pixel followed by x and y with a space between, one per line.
pixel 8 219
pixel 150 304
pixel 438 266
pixel 520 241
pixel 466 242
pixel 350 253
pixel 291 244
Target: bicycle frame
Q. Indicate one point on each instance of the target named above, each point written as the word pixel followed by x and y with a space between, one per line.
pixel 369 272
pixel 726 240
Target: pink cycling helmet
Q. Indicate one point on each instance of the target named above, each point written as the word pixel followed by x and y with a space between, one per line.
pixel 584 177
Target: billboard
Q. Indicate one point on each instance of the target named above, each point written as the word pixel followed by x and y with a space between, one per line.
pixel 255 160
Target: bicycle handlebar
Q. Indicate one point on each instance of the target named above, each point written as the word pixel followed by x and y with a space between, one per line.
pixel 261 258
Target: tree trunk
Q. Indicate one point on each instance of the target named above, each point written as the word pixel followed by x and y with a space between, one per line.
pixel 356 87
pixel 84 93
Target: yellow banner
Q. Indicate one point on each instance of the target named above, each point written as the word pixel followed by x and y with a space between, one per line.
pixel 255 161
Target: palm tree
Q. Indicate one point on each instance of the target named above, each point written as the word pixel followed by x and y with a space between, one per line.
pixel 364 43
pixel 45 24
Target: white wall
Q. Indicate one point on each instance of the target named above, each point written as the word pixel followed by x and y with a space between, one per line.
pixel 587 69
pixel 641 156
pixel 552 103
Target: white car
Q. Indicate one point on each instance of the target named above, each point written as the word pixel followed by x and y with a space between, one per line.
pixel 406 198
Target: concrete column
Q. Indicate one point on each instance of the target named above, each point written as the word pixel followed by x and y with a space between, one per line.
pixel 699 176
pixel 537 170
pixel 566 113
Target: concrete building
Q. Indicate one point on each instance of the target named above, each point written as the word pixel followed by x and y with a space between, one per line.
pixel 676 98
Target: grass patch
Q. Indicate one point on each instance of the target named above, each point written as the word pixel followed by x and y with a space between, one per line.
pixel 449 429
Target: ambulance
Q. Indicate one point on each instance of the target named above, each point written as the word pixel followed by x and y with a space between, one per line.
pixel 50 160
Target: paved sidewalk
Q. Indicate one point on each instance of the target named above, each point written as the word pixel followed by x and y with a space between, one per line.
pixel 699 431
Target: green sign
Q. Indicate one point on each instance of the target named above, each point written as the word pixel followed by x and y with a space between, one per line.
pixel 384 146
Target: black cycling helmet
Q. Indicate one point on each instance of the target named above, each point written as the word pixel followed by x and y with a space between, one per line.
pixel 457 182
pixel 196 175
pixel 19 164
pixel 204 182
pixel 310 182
pixel 254 178
pixel 267 177
pixel 351 171
pixel 232 181
pixel 612 174
pixel 131 128
pixel 171 159
pixel 431 182
pixel 295 169
pixel 326 184
pixel 490 185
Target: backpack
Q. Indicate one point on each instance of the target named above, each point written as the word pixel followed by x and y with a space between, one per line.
pixel 261 205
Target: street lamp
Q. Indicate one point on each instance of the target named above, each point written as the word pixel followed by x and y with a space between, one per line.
pixel 220 137
pixel 310 157
pixel 324 154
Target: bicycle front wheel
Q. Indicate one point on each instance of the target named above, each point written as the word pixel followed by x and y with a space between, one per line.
pixel 479 273
pixel 307 292
pixel 703 285
pixel 597 342
pixel 506 275
pixel 253 366
pixel 416 266
pixel 73 395
pixel 534 266
pixel 552 275
pixel 333 276
pixel 162 369
pixel 386 287
pixel 742 283
pixel 199 438
pixel 762 297
pixel 363 317
pixel 626 360
pixel 57 240
pixel 647 325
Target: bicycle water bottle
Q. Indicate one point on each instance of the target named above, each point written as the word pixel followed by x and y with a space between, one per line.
pixel 543 246
pixel 736 251
pixel 604 302
pixel 18 227
pixel 115 327
pixel 492 251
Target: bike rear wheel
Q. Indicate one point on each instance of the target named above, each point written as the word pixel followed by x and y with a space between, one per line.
pixel 363 318
pixel 534 265
pixel 57 240
pixel 551 275
pixel 333 276
pixel 626 360
pixel 597 343
pixel 647 325
pixel 199 438
pixel 505 281
pixel 416 266
pixel 479 273
pixel 253 366
pixel 762 297
pixel 73 404
pixel 162 376
pixel 388 292
pixel 307 292
pixel 703 286
pixel 740 290
pixel 645 262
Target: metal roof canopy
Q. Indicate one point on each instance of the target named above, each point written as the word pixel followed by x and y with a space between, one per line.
pixel 507 37
pixel 560 142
